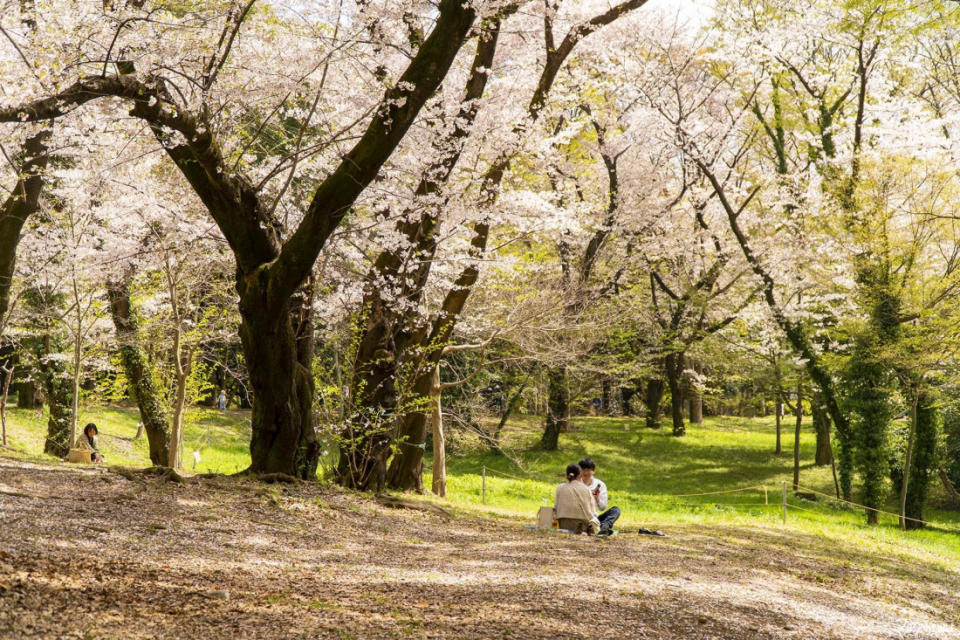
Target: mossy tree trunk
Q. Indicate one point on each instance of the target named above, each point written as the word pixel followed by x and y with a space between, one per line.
pixel 143 385
pixel 922 464
pixel 58 389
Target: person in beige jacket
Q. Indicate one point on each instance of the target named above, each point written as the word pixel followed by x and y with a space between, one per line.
pixel 88 441
pixel 574 505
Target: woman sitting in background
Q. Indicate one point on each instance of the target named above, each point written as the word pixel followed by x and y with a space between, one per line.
pixel 574 504
pixel 88 440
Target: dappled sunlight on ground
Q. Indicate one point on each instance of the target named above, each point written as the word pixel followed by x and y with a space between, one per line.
pixel 225 558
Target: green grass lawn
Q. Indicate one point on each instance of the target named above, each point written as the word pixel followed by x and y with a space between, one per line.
pixel 222 439
pixel 648 474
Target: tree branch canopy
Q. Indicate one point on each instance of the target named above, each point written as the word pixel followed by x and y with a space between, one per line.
pixel 359 167
pixel 231 200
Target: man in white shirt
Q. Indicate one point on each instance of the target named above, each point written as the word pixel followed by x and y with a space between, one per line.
pixel 599 492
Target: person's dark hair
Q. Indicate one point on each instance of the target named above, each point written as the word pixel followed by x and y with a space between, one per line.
pixel 573 470
pixel 89 426
pixel 588 463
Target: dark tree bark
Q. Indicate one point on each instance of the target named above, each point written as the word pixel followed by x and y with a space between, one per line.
pixel 821 423
pixel 387 334
pixel 26 395
pixel 146 392
pixel 558 408
pixel 407 465
pixel 674 369
pixel 626 400
pixel 23 201
pixel 308 449
pixel 653 402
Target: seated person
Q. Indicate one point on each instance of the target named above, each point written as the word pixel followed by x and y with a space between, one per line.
pixel 574 504
pixel 599 492
pixel 88 440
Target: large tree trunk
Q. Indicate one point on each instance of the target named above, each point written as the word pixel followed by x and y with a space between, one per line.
pixel 387 333
pixel 674 367
pixel 283 439
pixel 558 408
pixel 821 423
pixel 143 385
pixel 654 400
pixel 407 466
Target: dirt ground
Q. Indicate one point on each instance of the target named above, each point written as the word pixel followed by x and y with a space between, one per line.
pixel 86 553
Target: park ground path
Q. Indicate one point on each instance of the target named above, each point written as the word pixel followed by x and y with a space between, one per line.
pixel 90 554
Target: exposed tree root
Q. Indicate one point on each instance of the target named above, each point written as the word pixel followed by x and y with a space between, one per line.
pixel 163 473
pixel 400 503
pixel 271 478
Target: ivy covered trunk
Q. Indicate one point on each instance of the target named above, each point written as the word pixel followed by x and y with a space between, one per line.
pixel 57 386
pixel 143 386
pixel 558 408
pixel 924 459
pixel 871 383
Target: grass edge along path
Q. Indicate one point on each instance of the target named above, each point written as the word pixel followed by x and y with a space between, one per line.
pixel 723 473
